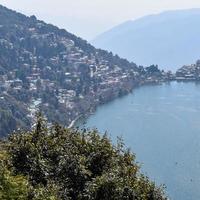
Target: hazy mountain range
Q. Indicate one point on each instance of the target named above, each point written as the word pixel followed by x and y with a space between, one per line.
pixel 170 39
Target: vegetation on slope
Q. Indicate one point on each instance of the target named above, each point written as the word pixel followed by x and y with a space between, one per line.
pixel 46 68
pixel 58 163
pixel 41 63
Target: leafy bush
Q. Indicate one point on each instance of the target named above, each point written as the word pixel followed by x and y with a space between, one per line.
pixel 12 187
pixel 60 163
pixel 16 186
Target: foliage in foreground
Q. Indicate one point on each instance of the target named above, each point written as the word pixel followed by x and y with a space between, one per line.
pixel 57 163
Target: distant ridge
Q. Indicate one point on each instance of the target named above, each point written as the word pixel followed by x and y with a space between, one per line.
pixel 169 39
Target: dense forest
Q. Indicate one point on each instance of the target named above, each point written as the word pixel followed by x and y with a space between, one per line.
pixel 56 163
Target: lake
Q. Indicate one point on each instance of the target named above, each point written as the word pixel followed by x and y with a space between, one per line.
pixel 161 124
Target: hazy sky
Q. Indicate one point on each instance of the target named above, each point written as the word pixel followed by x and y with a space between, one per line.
pixel 88 18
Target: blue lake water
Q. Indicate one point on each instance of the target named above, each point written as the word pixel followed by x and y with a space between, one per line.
pixel 161 124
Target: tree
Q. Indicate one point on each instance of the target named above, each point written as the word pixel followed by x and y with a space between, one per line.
pixel 11 186
pixel 82 164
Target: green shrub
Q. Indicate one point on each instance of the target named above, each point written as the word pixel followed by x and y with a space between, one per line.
pixel 62 163
pixel 12 186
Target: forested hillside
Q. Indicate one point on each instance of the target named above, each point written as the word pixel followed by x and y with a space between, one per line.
pixel 46 68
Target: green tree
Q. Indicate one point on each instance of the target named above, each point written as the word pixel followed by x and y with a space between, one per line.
pixel 17 187
pixel 11 186
pixel 82 164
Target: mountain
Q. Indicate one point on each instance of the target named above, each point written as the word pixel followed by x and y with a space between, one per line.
pixel 170 39
pixel 44 68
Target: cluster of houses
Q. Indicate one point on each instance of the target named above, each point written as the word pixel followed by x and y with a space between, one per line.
pixel 54 72
pixel 189 72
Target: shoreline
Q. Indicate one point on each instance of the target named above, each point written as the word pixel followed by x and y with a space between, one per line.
pixel 93 109
pixel 74 121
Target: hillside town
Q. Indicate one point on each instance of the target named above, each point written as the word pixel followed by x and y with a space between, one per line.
pixel 70 81
pixel 44 68
pixel 189 72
